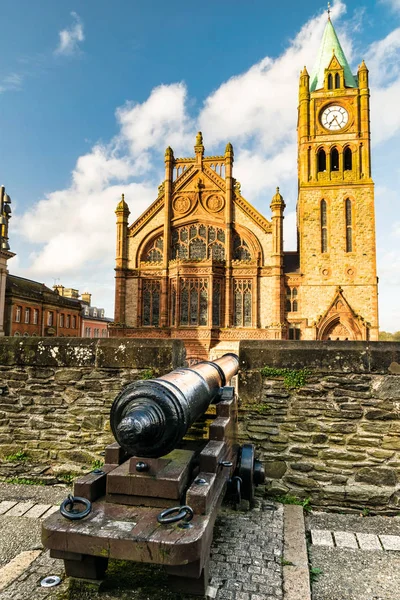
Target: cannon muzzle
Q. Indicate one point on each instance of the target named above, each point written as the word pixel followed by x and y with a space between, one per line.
pixel 149 418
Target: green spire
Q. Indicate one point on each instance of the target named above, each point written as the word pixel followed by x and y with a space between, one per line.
pixel 330 45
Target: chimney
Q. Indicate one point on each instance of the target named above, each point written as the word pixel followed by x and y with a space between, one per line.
pixel 85 297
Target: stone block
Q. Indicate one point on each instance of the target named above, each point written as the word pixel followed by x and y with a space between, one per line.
pixel 381 415
pixel 377 476
pixel 321 537
pixel 368 541
pixel 391 442
pixel 275 469
pixel 345 539
pixel 390 542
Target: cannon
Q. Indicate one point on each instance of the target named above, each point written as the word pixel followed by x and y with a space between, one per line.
pixel 157 496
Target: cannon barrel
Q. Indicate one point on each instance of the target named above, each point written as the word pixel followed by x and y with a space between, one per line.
pixel 149 418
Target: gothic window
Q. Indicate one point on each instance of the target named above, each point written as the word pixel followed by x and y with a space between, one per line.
pixel 337 81
pixel 240 249
pixel 294 331
pixel 324 228
pixel 348 159
pixel 334 159
pixel 197 249
pixel 198 243
pixel 173 304
pixel 321 158
pixel 154 250
pixel 291 300
pixel 216 303
pixel 349 228
pixel 242 302
pixel 194 302
pixel 151 302
pixel 330 82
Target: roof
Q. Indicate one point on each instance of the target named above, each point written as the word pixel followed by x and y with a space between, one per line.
pixel 88 312
pixel 33 290
pixel 330 45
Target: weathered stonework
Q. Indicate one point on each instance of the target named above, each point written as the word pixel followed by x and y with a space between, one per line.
pixel 56 393
pixel 337 438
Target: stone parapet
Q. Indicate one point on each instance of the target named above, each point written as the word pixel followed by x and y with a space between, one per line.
pixel 336 437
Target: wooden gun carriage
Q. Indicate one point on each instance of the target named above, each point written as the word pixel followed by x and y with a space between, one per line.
pixel 156 498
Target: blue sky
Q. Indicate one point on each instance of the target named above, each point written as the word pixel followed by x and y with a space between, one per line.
pixel 92 92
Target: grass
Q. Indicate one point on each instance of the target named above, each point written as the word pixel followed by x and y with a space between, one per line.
pixel 97 464
pixel 147 374
pixel 290 499
pixel 286 563
pixel 23 481
pixel 292 378
pixel 18 456
pixel 315 572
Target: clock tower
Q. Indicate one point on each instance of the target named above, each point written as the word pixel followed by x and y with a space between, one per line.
pixel 335 209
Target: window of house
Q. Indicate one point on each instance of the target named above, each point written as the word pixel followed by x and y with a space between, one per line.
pixel 321 160
pixel 194 301
pixel 348 159
pixel 62 319
pixel 35 316
pixel 330 82
pixel 151 302
pixel 87 332
pixel 291 300
pixel 95 312
pixel 68 321
pixel 337 81
pixel 74 322
pixel 324 227
pixel 18 312
pixel 50 318
pixel 96 332
pixel 242 290
pixel 104 333
pixel 17 334
pixel 334 159
pixel 349 228
pixel 86 311
pixel 294 331
pixel 27 315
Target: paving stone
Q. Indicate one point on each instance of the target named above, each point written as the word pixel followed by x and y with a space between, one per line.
pixel 37 511
pixel 17 566
pixel 345 539
pixel 49 512
pixel 368 541
pixel 321 537
pixel 19 509
pixel 6 505
pixel 390 542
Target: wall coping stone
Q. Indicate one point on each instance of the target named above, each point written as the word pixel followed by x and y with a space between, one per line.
pixel 107 353
pixel 326 357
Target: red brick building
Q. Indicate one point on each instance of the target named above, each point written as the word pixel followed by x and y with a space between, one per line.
pixel 31 308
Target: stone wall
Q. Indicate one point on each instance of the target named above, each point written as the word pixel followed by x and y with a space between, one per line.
pixel 56 393
pixel 336 439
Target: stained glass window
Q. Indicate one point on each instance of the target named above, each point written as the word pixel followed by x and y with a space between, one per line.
pixel 324 230
pixel 173 304
pixel 240 249
pixel 216 251
pixel 154 250
pixel 198 243
pixel 349 231
pixel 197 249
pixel 194 302
pixel 216 306
pixel 151 302
pixel 242 302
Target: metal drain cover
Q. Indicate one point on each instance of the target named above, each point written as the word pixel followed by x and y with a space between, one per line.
pixel 50 581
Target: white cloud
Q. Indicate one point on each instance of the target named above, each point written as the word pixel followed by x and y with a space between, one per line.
pixel 12 82
pixel 394 4
pixel 71 37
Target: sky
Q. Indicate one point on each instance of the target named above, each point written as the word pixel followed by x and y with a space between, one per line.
pixel 91 94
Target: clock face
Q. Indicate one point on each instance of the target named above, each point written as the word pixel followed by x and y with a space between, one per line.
pixel 334 117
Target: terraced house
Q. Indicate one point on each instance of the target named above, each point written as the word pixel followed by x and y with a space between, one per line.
pixel 202 264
